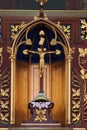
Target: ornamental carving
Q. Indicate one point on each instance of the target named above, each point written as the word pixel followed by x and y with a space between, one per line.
pixel 15 28
pixel 66 28
pixel 5 97
pixel 83 28
pixel 76 99
pixel 40 115
pixel 82 60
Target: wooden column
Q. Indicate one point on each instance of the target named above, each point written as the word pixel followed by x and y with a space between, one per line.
pixel 68 67
pixel 12 105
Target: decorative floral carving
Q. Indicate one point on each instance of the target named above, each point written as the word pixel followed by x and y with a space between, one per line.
pixel 4 117
pixel 5 92
pixel 82 63
pixel 40 115
pixel 76 99
pixel 83 29
pixel 76 117
pixel 76 93
pixel 66 28
pixel 82 52
pixel 4 105
pixel 15 28
pixel 82 60
pixel 76 105
pixel 5 97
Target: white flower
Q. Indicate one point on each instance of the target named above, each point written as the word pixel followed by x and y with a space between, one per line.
pixel 41 105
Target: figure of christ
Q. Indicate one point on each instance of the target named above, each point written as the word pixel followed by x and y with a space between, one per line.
pixel 41 52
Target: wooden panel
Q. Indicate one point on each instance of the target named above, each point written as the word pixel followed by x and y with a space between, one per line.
pixel 54 87
pixel 34 81
pixel 47 80
pixel 27 87
pixel 21 92
pixel 58 91
pixel 71 6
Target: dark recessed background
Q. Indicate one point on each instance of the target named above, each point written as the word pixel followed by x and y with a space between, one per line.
pixel 31 4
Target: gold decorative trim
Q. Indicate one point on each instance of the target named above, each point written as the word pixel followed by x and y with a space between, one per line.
pixel 66 29
pixel 15 28
pixel 83 75
pixel 4 102
pixel 83 29
pixel 76 99
pixel 40 115
pixel 83 71
pixel 41 124
pixel 58 13
pixel 68 55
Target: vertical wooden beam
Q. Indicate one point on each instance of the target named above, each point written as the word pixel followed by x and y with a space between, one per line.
pixel 12 105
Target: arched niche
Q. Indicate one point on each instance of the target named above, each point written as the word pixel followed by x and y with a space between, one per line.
pixel 66 69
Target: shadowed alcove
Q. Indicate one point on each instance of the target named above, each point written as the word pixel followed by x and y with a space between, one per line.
pixel 27 87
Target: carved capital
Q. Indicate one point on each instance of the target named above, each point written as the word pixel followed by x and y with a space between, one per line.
pixel 12 56
pixel 69 55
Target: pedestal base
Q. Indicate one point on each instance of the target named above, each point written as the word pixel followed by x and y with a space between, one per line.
pixel 34 128
pixel 40 109
pixel 41 125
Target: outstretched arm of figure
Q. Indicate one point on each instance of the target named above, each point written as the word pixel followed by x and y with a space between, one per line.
pixel 26 52
pixel 34 52
pixel 57 52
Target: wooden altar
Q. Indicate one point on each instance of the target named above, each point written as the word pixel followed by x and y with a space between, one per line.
pixel 66 85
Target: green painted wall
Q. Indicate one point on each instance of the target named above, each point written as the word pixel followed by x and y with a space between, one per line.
pixel 32 5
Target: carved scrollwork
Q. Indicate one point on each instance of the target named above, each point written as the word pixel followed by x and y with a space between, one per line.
pixel 40 115
pixel 15 28
pixel 76 99
pixel 83 29
pixel 82 60
pixel 5 96
pixel 66 28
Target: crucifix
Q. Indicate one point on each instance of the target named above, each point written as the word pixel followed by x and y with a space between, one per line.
pixel 41 52
pixel 41 106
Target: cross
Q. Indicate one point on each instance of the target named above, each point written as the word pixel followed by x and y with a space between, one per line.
pixel 41 52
